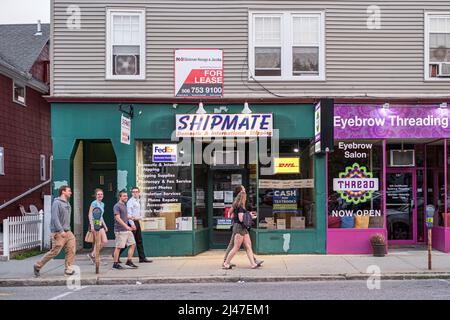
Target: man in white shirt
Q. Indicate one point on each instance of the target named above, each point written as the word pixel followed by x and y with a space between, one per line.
pixel 134 214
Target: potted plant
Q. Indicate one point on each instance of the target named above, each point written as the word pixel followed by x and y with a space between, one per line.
pixel 378 243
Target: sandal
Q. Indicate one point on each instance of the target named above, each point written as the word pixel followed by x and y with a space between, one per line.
pixel 227 268
pixel 256 266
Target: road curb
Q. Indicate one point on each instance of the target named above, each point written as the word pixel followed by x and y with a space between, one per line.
pixel 213 279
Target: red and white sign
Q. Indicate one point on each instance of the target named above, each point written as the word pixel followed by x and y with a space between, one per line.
pixel 198 72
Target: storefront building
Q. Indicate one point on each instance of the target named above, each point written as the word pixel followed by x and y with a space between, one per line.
pixel 162 60
pixel 185 196
pixel 389 163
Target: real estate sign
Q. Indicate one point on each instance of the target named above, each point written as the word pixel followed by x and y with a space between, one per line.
pixel 198 73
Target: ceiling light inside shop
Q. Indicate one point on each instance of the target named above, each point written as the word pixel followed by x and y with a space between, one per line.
pixel 386 105
pixel 443 105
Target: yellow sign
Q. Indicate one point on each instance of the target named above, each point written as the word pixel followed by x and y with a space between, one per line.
pixel 286 165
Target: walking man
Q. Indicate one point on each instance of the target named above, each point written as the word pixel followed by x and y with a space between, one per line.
pixel 134 213
pixel 62 237
pixel 122 230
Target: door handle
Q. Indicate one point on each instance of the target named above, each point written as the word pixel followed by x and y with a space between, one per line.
pixel 110 187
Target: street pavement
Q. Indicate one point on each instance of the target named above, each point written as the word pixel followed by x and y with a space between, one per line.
pixel 324 290
pixel 206 268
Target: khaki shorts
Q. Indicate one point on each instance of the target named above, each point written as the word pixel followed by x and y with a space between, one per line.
pixel 124 238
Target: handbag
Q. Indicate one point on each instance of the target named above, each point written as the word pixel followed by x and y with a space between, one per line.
pixel 89 238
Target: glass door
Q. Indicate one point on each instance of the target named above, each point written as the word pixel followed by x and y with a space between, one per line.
pixel 222 190
pixel 401 206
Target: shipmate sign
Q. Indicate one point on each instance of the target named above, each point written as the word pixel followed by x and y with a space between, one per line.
pixel 224 125
pixel 198 73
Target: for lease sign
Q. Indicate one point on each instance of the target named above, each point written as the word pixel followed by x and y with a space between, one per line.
pixel 198 73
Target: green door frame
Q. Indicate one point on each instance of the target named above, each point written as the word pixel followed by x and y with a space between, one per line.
pixel 210 198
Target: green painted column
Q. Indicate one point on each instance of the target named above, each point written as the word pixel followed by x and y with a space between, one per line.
pixel 63 149
pixel 126 164
pixel 320 177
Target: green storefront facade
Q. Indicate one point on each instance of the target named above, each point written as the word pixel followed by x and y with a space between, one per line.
pixel 88 154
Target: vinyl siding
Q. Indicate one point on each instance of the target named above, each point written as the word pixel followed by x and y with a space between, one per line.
pixel 388 62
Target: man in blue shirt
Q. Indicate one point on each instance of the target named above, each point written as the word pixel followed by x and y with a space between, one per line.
pixel 134 213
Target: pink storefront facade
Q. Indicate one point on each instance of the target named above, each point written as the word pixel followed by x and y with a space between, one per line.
pixel 389 163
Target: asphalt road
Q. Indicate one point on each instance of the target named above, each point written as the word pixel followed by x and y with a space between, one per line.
pixel 335 290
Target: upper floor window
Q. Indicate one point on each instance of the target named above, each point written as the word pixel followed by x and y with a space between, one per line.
pixel 437 46
pixel 19 92
pixel 287 46
pixel 125 44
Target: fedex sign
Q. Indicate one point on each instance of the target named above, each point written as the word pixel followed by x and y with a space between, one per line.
pixel 164 152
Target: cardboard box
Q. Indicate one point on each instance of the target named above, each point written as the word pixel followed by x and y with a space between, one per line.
pixel 281 224
pixel 153 224
pixel 298 223
pixel 171 217
pixel 270 223
pixel 185 223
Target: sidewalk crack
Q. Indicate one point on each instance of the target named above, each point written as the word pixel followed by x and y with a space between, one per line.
pixel 353 266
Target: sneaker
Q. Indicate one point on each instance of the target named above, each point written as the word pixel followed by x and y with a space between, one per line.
pixel 117 266
pixel 36 271
pixel 91 257
pixel 131 264
pixel 145 260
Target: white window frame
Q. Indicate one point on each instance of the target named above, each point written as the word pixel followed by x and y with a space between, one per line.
pixel 2 161
pixel 426 55
pixel 109 43
pixel 24 93
pixel 43 167
pixel 287 44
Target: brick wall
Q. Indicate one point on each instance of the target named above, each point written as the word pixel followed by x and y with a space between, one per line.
pixel 25 135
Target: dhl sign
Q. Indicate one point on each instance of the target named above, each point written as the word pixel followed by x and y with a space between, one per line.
pixel 286 165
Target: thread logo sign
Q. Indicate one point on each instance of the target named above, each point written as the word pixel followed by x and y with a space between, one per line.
pixel 355 185
pixel 164 153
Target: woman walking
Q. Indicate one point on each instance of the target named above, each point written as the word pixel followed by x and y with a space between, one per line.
pixel 98 203
pixel 238 189
pixel 242 235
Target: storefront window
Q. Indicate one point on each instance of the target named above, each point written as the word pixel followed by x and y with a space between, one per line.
pixel 355 171
pixel 286 187
pixel 165 183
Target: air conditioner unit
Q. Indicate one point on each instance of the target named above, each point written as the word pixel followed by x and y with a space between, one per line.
pixel 444 69
pixel 126 65
pixel 403 158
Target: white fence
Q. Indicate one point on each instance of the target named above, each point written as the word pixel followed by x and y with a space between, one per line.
pixel 20 233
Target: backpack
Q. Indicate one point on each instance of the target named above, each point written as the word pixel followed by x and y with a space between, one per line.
pixel 247 220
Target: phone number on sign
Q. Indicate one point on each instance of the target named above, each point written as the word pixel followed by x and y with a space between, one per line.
pixel 202 90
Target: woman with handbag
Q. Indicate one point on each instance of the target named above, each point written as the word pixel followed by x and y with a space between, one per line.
pixel 238 189
pixel 97 204
pixel 241 225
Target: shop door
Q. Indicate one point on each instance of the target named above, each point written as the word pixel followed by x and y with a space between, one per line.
pixel 100 171
pixel 222 184
pixel 401 206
